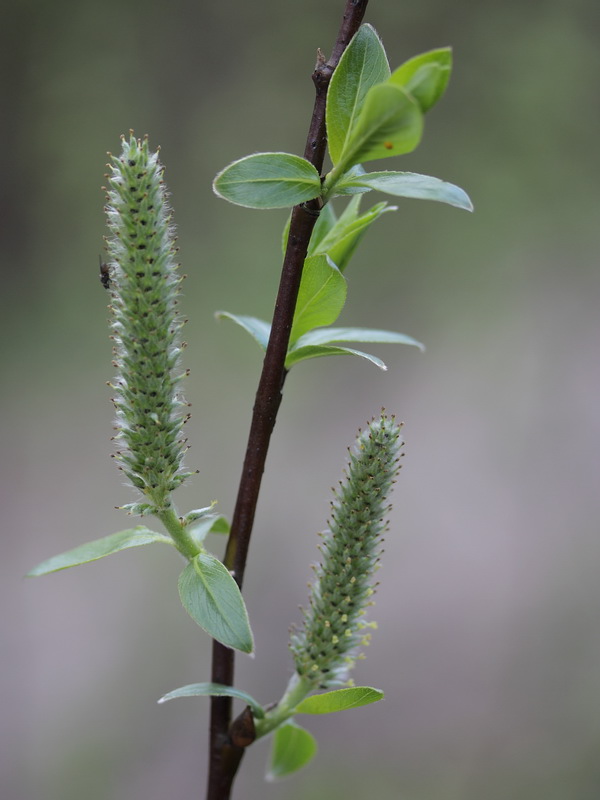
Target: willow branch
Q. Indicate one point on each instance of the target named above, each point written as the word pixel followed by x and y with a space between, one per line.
pixel 225 756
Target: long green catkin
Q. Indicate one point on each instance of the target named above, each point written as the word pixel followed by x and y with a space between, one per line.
pixel 144 283
pixel 333 629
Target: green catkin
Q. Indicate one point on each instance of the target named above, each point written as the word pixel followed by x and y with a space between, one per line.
pixel 325 648
pixel 144 284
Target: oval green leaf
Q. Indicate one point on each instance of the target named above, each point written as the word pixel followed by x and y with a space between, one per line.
pixel 339 700
pixel 214 690
pixel 213 600
pixel 99 548
pixel 363 64
pixel 390 124
pixel 293 747
pixel 321 296
pixel 411 184
pixel 425 76
pixel 268 180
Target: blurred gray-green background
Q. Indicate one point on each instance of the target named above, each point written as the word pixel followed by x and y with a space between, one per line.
pixel 488 645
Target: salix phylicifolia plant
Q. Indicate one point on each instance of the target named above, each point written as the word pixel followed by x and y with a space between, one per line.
pixel 363 112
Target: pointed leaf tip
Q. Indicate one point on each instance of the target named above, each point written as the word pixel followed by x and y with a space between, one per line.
pixel 355 334
pixel 413 185
pixel 257 328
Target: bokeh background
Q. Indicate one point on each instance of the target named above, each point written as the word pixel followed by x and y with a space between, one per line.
pixel 488 645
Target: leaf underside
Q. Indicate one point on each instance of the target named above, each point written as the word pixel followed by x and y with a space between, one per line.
pixel 293 747
pixel 257 328
pixel 319 351
pixel 214 690
pixel 212 598
pixel 413 185
pixel 99 548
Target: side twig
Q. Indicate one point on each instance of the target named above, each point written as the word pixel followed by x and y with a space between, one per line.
pixel 225 756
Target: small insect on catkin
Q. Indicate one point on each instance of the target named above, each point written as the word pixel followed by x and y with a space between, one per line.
pixel 104 273
pixel 325 648
pixel 146 327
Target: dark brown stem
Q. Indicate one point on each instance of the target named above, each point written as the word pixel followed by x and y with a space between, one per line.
pixel 225 756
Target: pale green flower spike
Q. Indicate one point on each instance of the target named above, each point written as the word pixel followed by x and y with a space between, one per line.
pixel 325 648
pixel 144 284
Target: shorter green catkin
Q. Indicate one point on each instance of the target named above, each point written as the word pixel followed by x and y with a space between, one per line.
pixel 144 284
pixel 325 648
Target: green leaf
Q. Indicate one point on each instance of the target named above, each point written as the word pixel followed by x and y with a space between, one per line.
pixel 411 184
pixel 343 239
pixel 257 328
pixel 390 124
pixel 321 296
pixel 268 180
pixel 220 525
pixel 214 690
pixel 350 213
pixel 199 513
pixel 347 188
pixel 92 551
pixel 324 223
pixel 341 226
pixel 362 65
pixel 216 523
pixel 329 335
pixel 339 700
pixel 327 220
pixel 304 353
pixel 425 76
pixel 293 747
pixel 337 229
pixel 212 599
